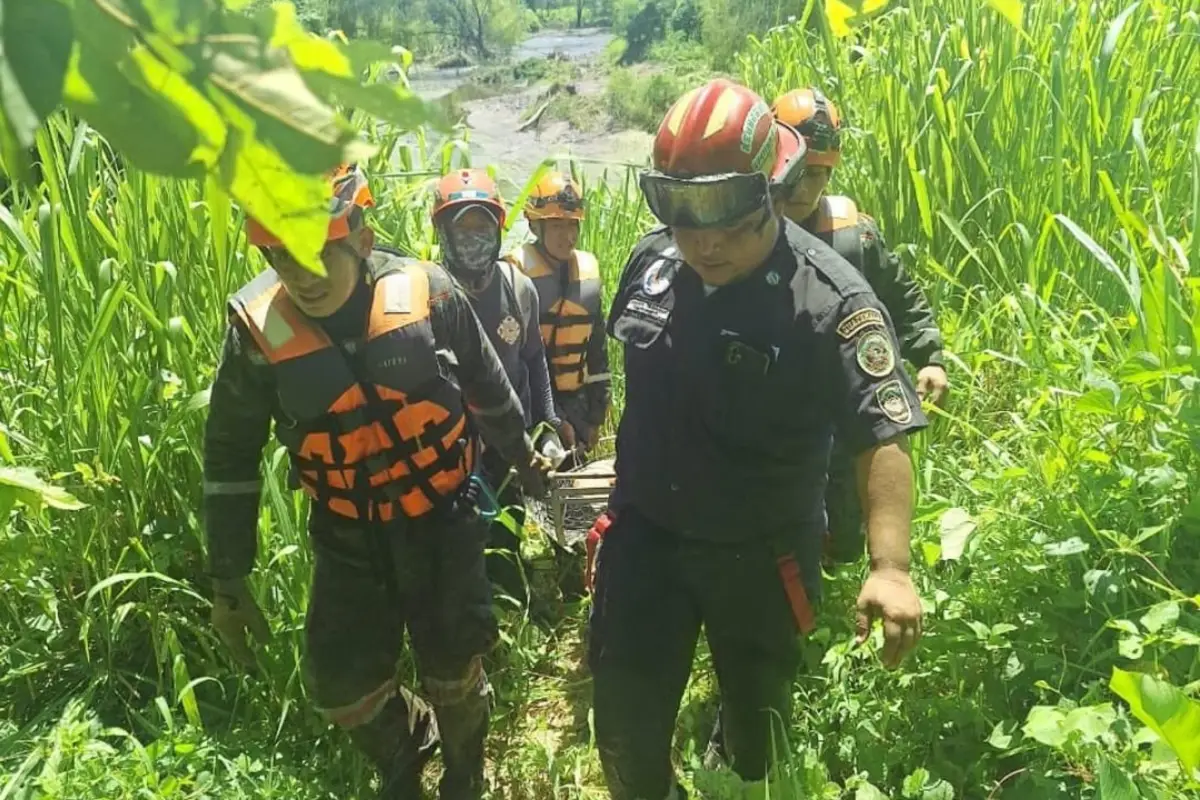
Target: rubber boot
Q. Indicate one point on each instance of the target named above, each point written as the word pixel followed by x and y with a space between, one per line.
pixel 399 742
pixel 464 726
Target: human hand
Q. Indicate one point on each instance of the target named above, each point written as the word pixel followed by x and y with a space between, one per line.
pixel 933 384
pixel 566 432
pixel 888 595
pixel 533 475
pixel 234 614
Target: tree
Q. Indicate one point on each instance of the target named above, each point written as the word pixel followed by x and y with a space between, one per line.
pixel 485 27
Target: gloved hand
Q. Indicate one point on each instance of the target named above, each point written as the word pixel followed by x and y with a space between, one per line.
pixel 234 614
pixel 533 475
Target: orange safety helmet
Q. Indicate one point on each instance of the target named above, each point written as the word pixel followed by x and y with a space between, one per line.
pixel 467 187
pixel 349 197
pixel 556 196
pixel 817 120
pixel 717 156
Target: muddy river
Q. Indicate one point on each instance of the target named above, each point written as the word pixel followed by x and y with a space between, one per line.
pixel 492 124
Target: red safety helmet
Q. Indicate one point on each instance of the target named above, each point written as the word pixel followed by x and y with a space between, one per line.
pixel 468 187
pixel 349 197
pixel 717 155
pixel 816 119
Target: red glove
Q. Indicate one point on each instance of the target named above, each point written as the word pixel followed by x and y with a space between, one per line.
pixel 594 538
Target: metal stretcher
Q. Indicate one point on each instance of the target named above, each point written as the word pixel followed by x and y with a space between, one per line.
pixel 577 497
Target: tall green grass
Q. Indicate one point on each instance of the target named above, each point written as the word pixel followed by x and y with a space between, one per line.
pixel 1045 187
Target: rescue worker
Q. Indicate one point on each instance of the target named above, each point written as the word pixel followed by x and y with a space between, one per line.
pixel 854 235
pixel 572 321
pixel 364 372
pixel 746 341
pixel 469 215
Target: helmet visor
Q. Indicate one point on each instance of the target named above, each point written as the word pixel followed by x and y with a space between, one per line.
pixel 710 201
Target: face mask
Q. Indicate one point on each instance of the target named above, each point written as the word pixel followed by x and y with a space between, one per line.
pixel 470 255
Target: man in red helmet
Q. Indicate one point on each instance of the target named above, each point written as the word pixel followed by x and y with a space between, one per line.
pixel 469 215
pixel 855 236
pixel 368 374
pixel 747 340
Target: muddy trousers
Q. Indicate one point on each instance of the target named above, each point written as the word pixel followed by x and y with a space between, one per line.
pixel 847 535
pixel 369 588
pixel 654 593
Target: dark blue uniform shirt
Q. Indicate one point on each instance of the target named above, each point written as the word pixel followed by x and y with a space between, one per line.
pixel 732 396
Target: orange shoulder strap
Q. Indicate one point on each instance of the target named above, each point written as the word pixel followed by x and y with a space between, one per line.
pixel 279 329
pixel 401 298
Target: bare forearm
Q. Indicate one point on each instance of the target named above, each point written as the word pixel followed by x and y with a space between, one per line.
pixel 885 483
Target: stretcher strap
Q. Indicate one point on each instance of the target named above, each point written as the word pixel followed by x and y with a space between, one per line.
pixel 802 610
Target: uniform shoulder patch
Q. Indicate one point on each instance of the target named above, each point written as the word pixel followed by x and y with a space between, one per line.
pixel 860 320
pixel 875 353
pixel 893 402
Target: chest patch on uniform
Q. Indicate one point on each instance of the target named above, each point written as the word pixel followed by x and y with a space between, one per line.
pixel 509 330
pixel 658 278
pixel 875 354
pixel 859 321
pixel 893 401
pixel 640 308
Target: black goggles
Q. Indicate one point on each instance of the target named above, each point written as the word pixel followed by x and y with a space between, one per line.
pixel 710 201
pixel 820 136
pixel 567 201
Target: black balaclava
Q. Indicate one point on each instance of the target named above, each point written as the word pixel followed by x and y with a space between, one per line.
pixel 472 256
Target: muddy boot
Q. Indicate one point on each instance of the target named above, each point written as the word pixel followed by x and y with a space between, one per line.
pixel 463 722
pixel 399 742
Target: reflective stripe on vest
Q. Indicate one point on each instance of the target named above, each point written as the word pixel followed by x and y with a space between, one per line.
pixel 568 311
pixel 385 436
pixel 836 222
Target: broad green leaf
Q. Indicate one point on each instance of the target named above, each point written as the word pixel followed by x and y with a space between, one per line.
pixel 176 19
pixel 1090 722
pixel 1169 712
pixel 956 528
pixel 867 791
pixel 305 132
pixel 144 127
pixel 293 206
pixel 1160 616
pixel 915 783
pixel 1011 10
pixel 308 52
pixel 33 490
pixel 1069 547
pixel 1002 735
pixel 1131 647
pixel 1097 401
pixel 35 48
pixel 1045 724
pixel 1114 783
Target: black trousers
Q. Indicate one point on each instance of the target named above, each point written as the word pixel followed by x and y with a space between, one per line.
pixel 370 586
pixel 654 592
pixel 847 536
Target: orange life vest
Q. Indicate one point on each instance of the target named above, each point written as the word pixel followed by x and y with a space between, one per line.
pixel 836 222
pixel 377 433
pixel 570 304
